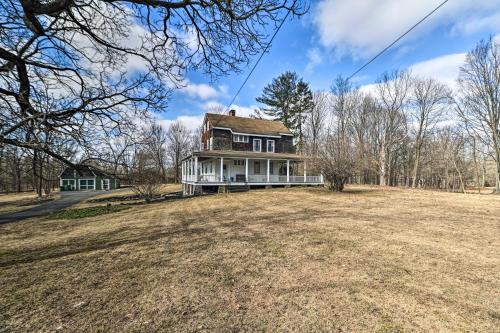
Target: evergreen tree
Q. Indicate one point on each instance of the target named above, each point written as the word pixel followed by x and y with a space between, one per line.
pixel 288 98
pixel 279 97
pixel 302 105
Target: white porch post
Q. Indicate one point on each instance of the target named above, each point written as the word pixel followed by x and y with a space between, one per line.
pixel 268 164
pixel 246 170
pixel 287 171
pixel 196 168
pixel 305 171
pixel 222 169
pixel 191 171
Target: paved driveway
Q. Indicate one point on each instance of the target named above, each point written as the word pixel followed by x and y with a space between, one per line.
pixel 66 200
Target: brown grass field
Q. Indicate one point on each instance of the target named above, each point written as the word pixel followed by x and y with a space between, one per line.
pixel 14 202
pixel 303 259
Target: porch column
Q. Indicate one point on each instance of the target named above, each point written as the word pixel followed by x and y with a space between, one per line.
pixel 268 164
pixel 222 169
pixel 196 168
pixel 305 171
pixel 246 170
pixel 191 171
pixel 287 171
pixel 182 174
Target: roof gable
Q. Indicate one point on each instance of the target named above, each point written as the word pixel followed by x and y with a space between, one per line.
pixel 82 171
pixel 248 125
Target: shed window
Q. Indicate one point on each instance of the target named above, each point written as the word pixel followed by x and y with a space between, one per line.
pixel 86 184
pixel 240 138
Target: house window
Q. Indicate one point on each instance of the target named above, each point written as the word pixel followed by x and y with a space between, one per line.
pixel 86 184
pixel 256 167
pixel 239 162
pixel 270 146
pixel 271 168
pixel 240 138
pixel 257 145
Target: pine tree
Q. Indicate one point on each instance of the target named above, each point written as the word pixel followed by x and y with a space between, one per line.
pixel 279 97
pixel 303 104
pixel 287 98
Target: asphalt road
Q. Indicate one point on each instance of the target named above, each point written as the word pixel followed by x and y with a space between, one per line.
pixel 66 200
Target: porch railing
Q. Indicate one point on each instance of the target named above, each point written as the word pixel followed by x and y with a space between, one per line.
pixel 256 179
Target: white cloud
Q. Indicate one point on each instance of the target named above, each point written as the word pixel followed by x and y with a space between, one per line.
pixel 488 23
pixel 444 68
pixel 314 59
pixel 202 90
pixel 364 28
pixel 193 122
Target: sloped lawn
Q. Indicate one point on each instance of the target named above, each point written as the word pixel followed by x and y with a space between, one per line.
pixel 301 259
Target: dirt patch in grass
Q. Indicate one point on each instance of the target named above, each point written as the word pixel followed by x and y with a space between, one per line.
pixel 79 213
pixel 368 260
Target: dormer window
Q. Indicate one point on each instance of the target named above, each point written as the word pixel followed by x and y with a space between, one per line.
pixel 240 138
pixel 257 145
pixel 270 146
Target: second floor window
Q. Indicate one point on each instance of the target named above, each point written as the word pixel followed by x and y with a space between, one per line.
pixel 270 146
pixel 240 138
pixel 257 145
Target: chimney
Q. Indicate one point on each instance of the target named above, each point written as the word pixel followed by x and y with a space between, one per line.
pixel 232 113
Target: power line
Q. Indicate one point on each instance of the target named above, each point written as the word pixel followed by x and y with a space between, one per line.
pixel 260 57
pixel 398 39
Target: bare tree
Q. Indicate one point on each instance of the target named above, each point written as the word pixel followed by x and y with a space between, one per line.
pixel 337 161
pixel 393 89
pixel 429 100
pixel 316 121
pixel 103 63
pixel 479 101
pixel 179 142
pixel 155 141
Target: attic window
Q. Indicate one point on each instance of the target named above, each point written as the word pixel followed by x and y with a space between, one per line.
pixel 240 138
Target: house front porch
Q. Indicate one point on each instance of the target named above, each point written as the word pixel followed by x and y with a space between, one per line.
pixel 224 168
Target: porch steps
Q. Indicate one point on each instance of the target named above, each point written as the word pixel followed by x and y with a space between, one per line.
pixel 238 188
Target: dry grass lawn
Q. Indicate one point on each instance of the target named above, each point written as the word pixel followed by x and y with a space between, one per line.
pixel 14 202
pixel 303 259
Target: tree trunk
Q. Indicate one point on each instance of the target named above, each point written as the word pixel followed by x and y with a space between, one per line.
pixel 497 185
pixel 415 168
pixel 382 167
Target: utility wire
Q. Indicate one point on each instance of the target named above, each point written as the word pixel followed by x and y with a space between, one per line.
pixel 398 39
pixel 260 57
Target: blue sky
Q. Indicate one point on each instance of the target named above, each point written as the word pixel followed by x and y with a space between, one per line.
pixel 337 37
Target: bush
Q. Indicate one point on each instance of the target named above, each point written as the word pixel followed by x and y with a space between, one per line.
pixel 79 213
pixel 147 184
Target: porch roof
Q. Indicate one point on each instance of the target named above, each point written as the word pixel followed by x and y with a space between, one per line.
pixel 248 154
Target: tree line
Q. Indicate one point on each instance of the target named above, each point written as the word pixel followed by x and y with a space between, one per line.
pixel 153 153
pixel 77 76
pixel 407 130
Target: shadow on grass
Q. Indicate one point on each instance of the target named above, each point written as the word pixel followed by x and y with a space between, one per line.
pixel 196 229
